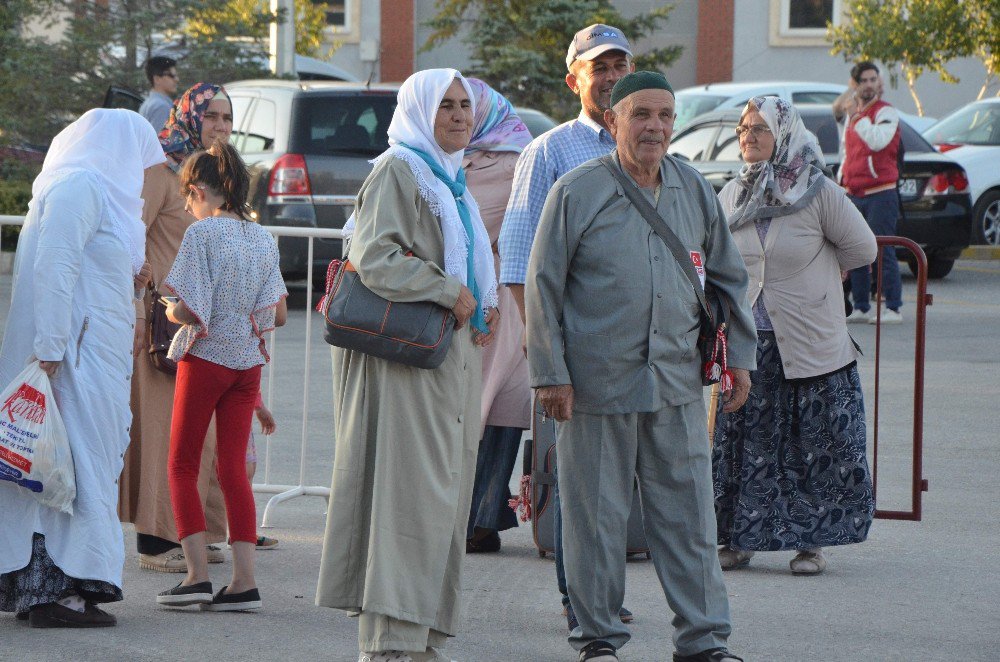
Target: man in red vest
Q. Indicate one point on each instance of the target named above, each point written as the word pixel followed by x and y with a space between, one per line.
pixel 869 173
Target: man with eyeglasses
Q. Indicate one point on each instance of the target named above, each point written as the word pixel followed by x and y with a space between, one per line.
pixel 162 75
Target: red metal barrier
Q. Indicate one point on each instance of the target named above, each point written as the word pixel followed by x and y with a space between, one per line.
pixel 919 483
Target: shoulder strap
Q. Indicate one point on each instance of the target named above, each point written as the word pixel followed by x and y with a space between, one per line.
pixel 661 229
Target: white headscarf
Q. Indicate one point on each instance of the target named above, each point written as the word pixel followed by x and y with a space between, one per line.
pixel 413 124
pixel 788 180
pixel 116 146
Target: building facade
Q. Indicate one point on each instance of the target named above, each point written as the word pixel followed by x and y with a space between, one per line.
pixel 723 40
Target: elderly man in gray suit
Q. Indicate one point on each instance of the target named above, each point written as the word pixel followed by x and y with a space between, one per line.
pixel 612 330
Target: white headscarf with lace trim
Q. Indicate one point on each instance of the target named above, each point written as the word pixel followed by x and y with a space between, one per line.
pixel 413 124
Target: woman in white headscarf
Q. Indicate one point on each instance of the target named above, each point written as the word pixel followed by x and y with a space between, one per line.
pixel 789 467
pixel 75 274
pixel 406 437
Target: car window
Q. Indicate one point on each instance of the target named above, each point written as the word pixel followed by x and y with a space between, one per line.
pixel 813 96
pixel 694 144
pixel 690 105
pixel 258 134
pixel 826 130
pixel 976 124
pixel 241 112
pixel 912 141
pixel 343 124
pixel 727 145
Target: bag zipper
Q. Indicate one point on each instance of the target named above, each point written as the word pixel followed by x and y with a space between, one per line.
pixel 79 340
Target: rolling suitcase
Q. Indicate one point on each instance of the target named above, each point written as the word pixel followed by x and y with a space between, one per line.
pixel 541 452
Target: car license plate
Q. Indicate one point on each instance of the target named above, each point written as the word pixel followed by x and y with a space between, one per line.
pixel 908 188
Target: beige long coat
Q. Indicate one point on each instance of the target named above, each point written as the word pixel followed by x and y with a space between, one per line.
pixel 506 393
pixel 144 494
pixel 407 438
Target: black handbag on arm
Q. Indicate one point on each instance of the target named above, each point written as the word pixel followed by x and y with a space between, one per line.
pixel 714 306
pixel 416 334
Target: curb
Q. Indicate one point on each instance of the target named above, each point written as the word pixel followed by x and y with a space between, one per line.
pixel 981 253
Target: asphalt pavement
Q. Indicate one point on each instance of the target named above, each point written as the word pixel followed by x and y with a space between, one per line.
pixel 923 591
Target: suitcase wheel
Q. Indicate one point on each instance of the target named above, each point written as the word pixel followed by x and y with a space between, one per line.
pixel 541 554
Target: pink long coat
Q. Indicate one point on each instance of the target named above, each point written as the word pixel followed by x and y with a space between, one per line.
pixel 506 395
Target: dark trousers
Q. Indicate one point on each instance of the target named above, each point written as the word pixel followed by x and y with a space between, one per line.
pixel 491 492
pixel 881 210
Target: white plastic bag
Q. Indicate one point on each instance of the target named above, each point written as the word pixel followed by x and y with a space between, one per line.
pixel 34 448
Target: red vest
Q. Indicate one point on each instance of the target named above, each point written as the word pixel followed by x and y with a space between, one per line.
pixel 864 169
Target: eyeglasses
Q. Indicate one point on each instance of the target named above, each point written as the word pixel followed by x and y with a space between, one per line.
pixel 757 130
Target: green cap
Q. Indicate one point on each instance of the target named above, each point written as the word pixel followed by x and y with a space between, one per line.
pixel 638 80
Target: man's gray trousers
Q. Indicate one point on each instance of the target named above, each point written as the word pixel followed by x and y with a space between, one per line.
pixel 667 450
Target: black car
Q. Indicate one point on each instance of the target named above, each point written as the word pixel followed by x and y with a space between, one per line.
pixel 934 190
pixel 308 145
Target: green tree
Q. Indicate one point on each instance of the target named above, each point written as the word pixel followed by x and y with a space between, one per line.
pixel 915 35
pixel 519 46
pixel 985 22
pixel 48 84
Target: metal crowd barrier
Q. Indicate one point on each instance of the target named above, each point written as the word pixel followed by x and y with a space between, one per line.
pixel 281 492
pixel 919 484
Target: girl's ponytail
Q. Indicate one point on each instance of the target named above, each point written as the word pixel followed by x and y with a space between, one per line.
pixel 221 169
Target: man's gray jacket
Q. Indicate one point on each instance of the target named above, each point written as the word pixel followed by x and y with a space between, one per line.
pixel 609 310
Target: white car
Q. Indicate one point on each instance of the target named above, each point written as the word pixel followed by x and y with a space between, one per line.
pixel 694 101
pixel 971 137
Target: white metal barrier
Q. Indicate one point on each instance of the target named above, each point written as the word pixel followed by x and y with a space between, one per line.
pixel 281 492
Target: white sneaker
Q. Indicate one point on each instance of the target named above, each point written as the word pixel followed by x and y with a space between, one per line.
pixel 385 656
pixel 889 316
pixel 860 317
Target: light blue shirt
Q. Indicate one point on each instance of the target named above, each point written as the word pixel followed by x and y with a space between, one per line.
pixel 547 158
pixel 156 109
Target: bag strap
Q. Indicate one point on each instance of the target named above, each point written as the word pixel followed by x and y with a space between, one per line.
pixel 661 229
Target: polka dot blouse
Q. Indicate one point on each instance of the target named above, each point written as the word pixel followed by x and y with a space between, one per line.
pixel 227 274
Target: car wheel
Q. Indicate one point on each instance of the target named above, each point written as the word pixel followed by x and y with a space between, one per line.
pixel 987 215
pixel 937 267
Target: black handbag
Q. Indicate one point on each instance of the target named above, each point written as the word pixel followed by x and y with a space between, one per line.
pixel 416 334
pixel 160 332
pixel 714 307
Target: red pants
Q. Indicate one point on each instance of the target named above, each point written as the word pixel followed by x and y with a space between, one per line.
pixel 205 388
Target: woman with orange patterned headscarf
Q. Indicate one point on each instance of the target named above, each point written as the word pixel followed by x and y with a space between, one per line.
pixel 202 115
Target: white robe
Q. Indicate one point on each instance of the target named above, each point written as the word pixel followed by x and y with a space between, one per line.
pixel 71 267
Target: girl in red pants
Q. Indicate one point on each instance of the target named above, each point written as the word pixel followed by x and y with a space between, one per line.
pixel 229 293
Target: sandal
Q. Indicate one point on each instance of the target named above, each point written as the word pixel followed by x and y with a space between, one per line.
pixel 732 559
pixel 598 651
pixel 710 655
pixel 808 562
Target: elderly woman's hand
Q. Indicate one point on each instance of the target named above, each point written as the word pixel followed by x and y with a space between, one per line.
pixel 464 307
pixel 492 321
pixel 734 398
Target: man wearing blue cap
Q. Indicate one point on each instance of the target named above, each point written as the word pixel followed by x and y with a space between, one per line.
pixel 597 58
pixel 612 329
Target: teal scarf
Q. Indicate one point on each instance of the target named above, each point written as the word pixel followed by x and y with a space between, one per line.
pixel 457 188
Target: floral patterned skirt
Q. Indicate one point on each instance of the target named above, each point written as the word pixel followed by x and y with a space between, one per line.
pixel 789 468
pixel 41 582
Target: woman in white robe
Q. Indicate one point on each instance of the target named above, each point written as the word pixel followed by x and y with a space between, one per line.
pixel 82 245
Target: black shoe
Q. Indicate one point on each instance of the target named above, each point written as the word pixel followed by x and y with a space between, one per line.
pixel 598 651
pixel 625 615
pixel 244 601
pixel 183 596
pixel 55 615
pixel 483 544
pixel 21 615
pixel 710 655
